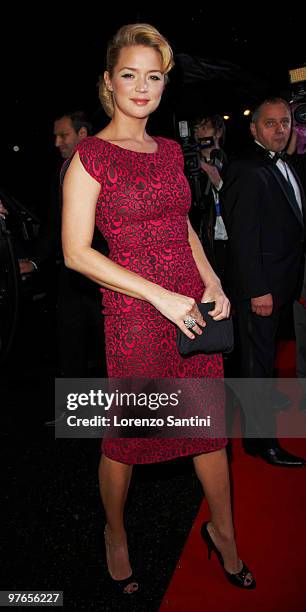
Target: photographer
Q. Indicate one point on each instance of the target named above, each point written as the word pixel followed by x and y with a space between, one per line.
pixel 205 214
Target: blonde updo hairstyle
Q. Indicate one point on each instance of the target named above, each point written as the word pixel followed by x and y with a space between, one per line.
pixel 128 36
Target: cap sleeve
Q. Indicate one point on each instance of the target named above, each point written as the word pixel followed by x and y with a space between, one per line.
pixel 90 154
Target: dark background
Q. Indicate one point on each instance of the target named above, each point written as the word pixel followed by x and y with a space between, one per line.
pixel 53 57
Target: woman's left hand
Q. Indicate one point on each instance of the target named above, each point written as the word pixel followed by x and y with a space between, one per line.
pixel 215 293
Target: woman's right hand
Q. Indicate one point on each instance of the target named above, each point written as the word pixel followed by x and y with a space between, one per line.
pixel 177 308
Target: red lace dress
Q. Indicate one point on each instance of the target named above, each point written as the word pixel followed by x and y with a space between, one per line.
pixel 142 212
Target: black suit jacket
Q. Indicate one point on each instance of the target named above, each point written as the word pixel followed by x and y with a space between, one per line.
pixel 265 227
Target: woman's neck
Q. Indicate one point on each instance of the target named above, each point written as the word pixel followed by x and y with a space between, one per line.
pixel 127 129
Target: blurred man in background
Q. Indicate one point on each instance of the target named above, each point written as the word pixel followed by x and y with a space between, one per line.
pixel 69 130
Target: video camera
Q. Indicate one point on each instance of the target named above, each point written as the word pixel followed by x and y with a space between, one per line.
pixel 191 151
pixel 298 105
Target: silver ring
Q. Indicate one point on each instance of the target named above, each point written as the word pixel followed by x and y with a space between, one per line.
pixel 190 323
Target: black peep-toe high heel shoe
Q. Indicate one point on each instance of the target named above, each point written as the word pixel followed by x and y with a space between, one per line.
pixel 121 586
pixel 238 579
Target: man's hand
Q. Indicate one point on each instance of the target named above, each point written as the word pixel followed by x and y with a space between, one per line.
pixel 213 174
pixel 25 266
pixel 3 211
pixel 262 305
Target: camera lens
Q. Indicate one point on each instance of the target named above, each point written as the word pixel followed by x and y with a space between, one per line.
pixel 300 114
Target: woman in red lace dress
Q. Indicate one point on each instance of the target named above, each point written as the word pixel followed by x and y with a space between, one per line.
pixel 133 187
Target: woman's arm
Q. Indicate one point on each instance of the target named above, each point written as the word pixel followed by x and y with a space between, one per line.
pixel 213 290
pixel 80 194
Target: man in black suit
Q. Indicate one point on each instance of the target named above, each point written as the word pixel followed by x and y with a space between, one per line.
pixel 80 331
pixel 264 213
pixel 80 335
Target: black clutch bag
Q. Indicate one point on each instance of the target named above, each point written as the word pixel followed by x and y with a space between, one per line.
pixel 217 336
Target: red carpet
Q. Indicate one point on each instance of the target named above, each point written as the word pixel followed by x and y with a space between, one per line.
pixel 270 519
pixel 285 359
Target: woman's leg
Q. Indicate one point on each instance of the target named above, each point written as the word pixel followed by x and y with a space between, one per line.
pixel 114 480
pixel 212 471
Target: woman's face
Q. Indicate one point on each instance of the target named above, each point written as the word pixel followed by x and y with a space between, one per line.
pixel 137 82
